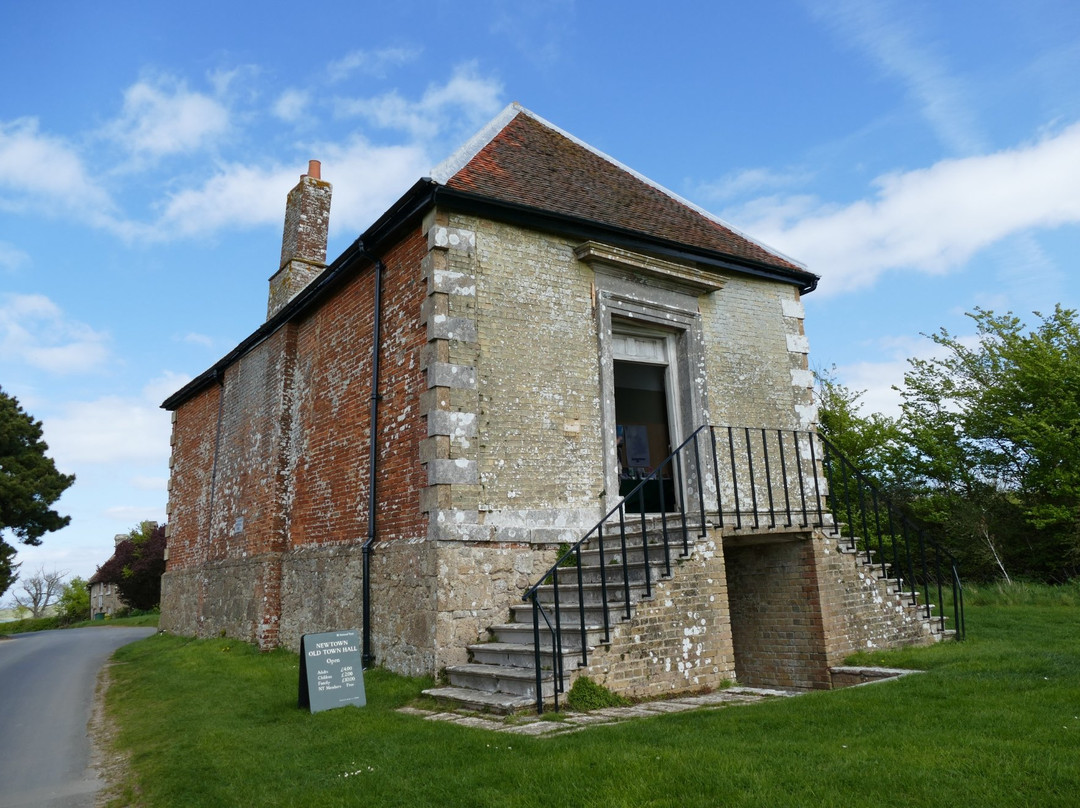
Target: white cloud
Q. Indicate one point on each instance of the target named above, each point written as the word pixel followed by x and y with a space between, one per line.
pixel 465 101
pixel 11 257
pixel 163 117
pixel 35 332
pixel 366 180
pixel 291 105
pixel 111 429
pixel 238 195
pixel 929 220
pixel 371 63
pixel 40 172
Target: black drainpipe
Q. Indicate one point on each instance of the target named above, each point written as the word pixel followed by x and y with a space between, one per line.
pixel 367 658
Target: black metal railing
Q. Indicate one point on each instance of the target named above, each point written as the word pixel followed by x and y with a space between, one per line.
pixel 745 480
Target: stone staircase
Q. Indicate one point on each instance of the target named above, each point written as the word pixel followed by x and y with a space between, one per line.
pixel 897 591
pixel 501 674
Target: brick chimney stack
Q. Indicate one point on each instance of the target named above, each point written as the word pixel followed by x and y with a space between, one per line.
pixel 303 244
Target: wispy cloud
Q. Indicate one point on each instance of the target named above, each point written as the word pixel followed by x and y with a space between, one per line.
pixel 371 63
pixel 465 101
pixel 898 41
pixel 193 338
pixel 237 195
pixel 162 116
pixel 929 220
pixel 292 105
pixel 11 257
pixel 164 385
pixel 738 184
pixel 34 331
pixel 42 173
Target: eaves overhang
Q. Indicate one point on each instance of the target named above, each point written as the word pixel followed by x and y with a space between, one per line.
pixel 589 229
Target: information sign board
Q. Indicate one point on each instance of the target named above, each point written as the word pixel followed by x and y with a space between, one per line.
pixel 331 673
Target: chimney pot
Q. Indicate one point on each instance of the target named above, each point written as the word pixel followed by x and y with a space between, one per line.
pixel 314 169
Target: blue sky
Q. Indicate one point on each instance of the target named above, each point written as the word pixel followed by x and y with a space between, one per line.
pixel 922 157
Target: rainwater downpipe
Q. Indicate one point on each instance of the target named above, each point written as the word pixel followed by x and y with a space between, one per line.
pixel 367 657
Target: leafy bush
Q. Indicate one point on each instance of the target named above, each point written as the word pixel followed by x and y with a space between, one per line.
pixel 74 603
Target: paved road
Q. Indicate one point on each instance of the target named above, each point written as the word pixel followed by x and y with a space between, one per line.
pixel 46 693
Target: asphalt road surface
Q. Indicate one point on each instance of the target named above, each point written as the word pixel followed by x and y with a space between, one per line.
pixel 47 681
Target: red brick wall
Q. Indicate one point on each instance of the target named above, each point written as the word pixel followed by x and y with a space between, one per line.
pixel 328 454
pixel 193 439
pixel 776 621
pixel 289 433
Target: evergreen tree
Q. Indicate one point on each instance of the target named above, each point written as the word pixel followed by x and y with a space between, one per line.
pixel 29 484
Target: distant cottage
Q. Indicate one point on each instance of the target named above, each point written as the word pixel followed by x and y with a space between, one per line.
pixel 421 429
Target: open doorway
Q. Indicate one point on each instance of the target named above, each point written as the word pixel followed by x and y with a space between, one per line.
pixel 643 433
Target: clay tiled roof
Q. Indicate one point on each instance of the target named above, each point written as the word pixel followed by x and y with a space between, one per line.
pixel 528 162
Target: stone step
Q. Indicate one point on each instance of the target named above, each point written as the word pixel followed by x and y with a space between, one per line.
pixel 500 679
pixel 481 701
pixel 518 655
pixel 635 548
pixel 592 593
pixel 616 573
pixel 522 634
pixel 594 612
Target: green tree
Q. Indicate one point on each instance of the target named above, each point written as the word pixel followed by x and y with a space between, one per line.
pixel 9 571
pixel 74 601
pixel 136 566
pixel 29 484
pixel 870 442
pixel 992 433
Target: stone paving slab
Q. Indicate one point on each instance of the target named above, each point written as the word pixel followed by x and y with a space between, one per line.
pixel 588 718
pixel 535 728
pixel 667 706
pixel 574 722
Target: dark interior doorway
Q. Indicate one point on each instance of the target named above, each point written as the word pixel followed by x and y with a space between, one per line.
pixel 643 433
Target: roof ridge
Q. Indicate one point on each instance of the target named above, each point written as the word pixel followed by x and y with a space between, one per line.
pixel 443 172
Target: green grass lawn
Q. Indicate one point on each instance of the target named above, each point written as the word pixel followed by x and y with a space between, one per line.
pixel 994 721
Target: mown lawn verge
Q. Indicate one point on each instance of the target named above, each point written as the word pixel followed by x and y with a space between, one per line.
pixel 994 721
pixel 49 623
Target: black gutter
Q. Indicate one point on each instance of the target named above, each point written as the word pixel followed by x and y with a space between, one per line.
pixel 367 658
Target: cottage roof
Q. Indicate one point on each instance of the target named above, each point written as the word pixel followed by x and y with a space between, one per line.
pixel 520 158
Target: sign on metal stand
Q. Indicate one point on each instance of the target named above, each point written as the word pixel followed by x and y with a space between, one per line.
pixel 331 674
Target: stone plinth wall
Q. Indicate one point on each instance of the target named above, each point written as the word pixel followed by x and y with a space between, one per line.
pixel 677 641
pixel 476 584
